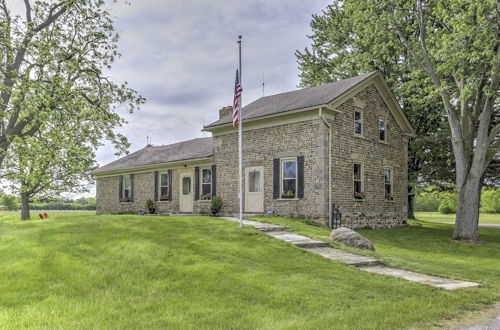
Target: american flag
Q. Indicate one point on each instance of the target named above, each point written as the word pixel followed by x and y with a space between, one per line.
pixel 237 99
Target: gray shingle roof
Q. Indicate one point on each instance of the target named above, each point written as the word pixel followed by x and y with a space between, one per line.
pixel 295 100
pixel 155 155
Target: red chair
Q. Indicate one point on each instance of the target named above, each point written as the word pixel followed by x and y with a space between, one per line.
pixel 45 215
pixel 40 215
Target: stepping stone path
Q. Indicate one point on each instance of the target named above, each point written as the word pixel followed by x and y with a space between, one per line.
pixel 366 264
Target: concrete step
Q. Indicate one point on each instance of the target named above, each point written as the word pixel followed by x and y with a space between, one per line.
pixel 297 240
pixel 438 282
pixel 343 256
pixel 269 227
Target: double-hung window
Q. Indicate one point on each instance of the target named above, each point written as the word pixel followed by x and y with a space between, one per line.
pixel 126 188
pixel 164 186
pixel 358 122
pixel 289 178
pixel 388 189
pixel 206 184
pixel 382 129
pixel 358 178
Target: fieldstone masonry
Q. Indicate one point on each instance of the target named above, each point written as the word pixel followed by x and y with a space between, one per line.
pixel 310 139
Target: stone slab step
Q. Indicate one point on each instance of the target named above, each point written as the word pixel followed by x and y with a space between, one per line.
pixel 345 257
pixel 269 228
pixel 297 240
pixel 438 282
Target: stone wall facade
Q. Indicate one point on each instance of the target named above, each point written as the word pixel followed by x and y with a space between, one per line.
pixel 373 211
pixel 308 139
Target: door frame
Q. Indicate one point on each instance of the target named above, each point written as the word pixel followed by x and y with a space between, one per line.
pixel 247 193
pixel 182 197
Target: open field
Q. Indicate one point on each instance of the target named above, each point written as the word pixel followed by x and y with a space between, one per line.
pixel 77 270
pixel 484 218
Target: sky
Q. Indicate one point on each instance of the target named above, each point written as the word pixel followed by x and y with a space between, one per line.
pixel 182 56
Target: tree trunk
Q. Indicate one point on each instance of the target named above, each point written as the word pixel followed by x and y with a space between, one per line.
pixel 411 203
pixel 468 211
pixel 25 207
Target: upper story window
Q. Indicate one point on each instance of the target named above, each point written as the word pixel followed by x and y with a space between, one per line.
pixel 289 178
pixel 164 186
pixel 358 122
pixel 358 178
pixel 382 129
pixel 388 179
pixel 127 188
pixel 206 184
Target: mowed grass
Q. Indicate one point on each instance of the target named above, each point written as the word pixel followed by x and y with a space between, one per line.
pixel 76 270
pixel 484 218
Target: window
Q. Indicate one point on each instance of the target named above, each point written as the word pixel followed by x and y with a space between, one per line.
pixel 358 176
pixel 382 134
pixel 127 189
pixel 388 193
pixel 358 122
pixel 289 178
pixel 206 184
pixel 164 187
pixel 254 181
pixel 186 185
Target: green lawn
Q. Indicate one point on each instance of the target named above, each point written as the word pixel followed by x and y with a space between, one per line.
pixel 77 270
pixel 484 218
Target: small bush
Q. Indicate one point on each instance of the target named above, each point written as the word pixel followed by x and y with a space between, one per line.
pixel 490 201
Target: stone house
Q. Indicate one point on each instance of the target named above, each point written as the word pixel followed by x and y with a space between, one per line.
pixel 340 146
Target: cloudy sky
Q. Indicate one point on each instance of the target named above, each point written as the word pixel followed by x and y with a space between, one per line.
pixel 182 56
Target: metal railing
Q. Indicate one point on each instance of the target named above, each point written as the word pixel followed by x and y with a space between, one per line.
pixel 336 221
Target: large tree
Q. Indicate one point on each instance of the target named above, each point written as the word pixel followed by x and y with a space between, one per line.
pixel 54 57
pixel 453 46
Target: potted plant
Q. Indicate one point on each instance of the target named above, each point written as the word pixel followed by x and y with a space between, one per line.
pixel 389 197
pixel 216 205
pixel 150 205
pixel 288 194
pixel 164 197
pixel 125 200
pixel 359 195
pixel 205 197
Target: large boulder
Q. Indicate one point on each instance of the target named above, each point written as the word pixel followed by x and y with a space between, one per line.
pixel 351 238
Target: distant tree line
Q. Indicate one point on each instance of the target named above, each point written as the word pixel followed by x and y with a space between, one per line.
pixel 431 199
pixel 13 203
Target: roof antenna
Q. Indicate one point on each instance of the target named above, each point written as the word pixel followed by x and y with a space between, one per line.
pixel 263 83
pixel 147 137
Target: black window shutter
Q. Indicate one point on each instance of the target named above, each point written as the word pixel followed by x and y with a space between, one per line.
pixel 196 183
pixel 120 188
pixel 300 176
pixel 131 187
pixel 155 174
pixel 276 178
pixel 214 180
pixel 169 185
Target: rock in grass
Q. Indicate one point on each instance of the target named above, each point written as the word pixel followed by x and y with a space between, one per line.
pixel 351 238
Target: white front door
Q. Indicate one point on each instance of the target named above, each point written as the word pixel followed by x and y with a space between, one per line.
pixel 254 189
pixel 186 192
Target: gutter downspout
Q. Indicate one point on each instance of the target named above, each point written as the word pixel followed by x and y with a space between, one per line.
pixel 329 165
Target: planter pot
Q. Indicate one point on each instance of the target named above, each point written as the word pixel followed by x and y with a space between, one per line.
pixel 152 211
pixel 215 210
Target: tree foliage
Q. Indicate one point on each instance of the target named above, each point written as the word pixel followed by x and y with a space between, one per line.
pixel 54 62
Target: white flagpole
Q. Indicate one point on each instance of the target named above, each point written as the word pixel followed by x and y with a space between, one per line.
pixel 240 139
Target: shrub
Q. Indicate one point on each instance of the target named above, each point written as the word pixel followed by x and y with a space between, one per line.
pixel 448 206
pixel 9 202
pixel 427 201
pixel 149 204
pixel 490 201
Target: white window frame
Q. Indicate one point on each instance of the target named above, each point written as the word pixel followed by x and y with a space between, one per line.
pixel 165 186
pixel 385 129
pixel 282 172
pixel 391 183
pixel 124 188
pixel 361 179
pixel 201 183
pixel 362 122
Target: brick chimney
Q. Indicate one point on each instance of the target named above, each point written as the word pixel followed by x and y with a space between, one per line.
pixel 226 112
